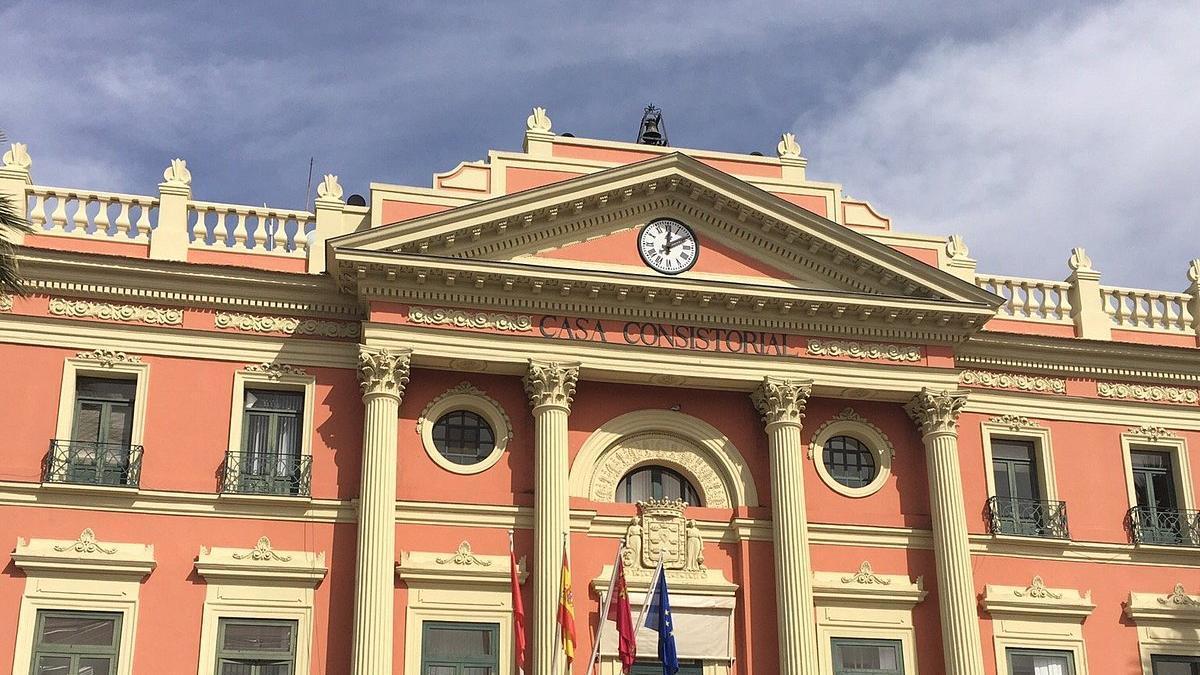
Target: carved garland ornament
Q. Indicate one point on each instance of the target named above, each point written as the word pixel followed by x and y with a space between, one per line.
pixel 1152 432
pixel 156 316
pixel 463 556
pixel 1037 589
pixel 1179 598
pixel 1014 422
pixel 262 552
pixel 656 448
pixel 995 380
pixel 866 575
pixel 864 350
pixel 286 325
pixel 107 358
pixel 781 401
pixel 86 543
pixel 276 371
pixel 1142 392
pixel 383 371
pixel 441 316
pixel 936 411
pixel 550 383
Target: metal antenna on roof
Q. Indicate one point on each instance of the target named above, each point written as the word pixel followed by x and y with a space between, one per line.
pixel 308 187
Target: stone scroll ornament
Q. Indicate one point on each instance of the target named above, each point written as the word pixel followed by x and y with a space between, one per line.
pixel 781 400
pixel 936 411
pixel 551 383
pixel 383 371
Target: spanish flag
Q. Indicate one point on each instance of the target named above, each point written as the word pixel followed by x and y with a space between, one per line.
pixel 566 611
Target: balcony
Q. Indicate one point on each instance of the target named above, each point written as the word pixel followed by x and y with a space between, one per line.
pixel 259 473
pixel 1164 527
pixel 1028 518
pixel 92 463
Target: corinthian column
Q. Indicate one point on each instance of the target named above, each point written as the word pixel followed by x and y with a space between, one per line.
pixel 936 415
pixel 383 374
pixel 550 386
pixel 781 403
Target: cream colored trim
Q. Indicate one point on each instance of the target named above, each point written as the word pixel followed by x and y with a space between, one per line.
pixel 1037 617
pixel 276 376
pixel 715 453
pixel 258 583
pixel 1148 437
pixel 83 575
pixel 1083 410
pixel 850 423
pixel 1166 624
pixel 457 586
pixel 1018 428
pixel 465 397
pixel 866 605
pixel 108 364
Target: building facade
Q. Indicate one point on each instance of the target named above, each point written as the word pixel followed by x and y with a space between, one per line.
pixel 254 440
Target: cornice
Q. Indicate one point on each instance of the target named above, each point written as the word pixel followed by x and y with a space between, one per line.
pixel 1073 357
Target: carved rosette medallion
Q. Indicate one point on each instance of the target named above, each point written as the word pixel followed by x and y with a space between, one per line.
pixel 383 372
pixel 781 400
pixel 551 384
pixel 936 412
pixel 262 552
pixel 660 531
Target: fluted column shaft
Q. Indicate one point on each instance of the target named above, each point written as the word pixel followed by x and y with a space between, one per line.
pixel 936 414
pixel 550 386
pixel 782 404
pixel 383 374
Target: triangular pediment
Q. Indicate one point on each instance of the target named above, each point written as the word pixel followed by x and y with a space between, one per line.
pixel 748 237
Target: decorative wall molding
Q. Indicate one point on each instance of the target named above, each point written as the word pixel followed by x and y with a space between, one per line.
pixel 1036 599
pixel 276 371
pixel 468 390
pixel 262 565
pixel 107 358
pixel 660 449
pixel 660 532
pixel 442 316
pixel 1178 597
pixel 876 351
pixel 997 380
pixel 460 568
pixel 781 400
pixel 86 543
pixel 1014 422
pixel 1152 433
pixel 262 552
pixel 6 302
pixel 463 556
pixel 1037 589
pixel 1148 392
pixel 1154 609
pixel 865 588
pixel 866 575
pixel 260 323
pixel 86 309
pixel 84 555
pixel 850 415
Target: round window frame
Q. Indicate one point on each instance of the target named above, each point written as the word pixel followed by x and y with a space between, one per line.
pixel 465 397
pixel 849 423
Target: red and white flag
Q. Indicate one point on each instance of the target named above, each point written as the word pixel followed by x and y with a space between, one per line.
pixel 518 609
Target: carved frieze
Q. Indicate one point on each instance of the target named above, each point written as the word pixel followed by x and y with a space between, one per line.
pixel 276 371
pixel 257 323
pixel 383 371
pixel 1152 432
pixel 441 316
pixel 86 309
pixel 998 380
pixel 107 358
pixel 936 411
pixel 875 351
pixel 1148 392
pixel 781 400
pixel 661 449
pixel 1014 422
pixel 661 533
pixel 1178 597
pixel 262 552
pixel 6 302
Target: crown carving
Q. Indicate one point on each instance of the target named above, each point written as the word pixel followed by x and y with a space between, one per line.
pixel 1152 432
pixel 662 507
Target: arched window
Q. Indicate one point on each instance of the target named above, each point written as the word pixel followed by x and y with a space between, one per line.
pixel 656 482
pixel 849 461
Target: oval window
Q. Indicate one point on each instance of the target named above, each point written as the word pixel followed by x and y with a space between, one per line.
pixel 463 437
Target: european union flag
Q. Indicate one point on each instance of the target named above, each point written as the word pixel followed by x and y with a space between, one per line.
pixel 658 619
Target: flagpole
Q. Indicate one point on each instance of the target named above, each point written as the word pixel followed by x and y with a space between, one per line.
pixel 612 583
pixel 518 656
pixel 658 571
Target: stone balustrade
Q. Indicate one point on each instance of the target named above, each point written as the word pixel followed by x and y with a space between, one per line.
pixel 249 228
pixel 1030 299
pixel 70 212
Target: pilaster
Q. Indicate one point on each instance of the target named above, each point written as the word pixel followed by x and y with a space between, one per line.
pixel 551 387
pixel 169 240
pixel 1087 302
pixel 328 207
pixel 383 374
pixel 781 403
pixel 936 415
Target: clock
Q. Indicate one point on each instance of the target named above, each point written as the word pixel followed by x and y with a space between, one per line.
pixel 668 246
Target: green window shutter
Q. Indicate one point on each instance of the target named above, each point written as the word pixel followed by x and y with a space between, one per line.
pixel 1039 661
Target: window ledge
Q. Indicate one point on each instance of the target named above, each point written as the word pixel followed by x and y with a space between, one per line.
pixel 278 500
pixel 129 492
pixel 1032 540
pixel 1179 549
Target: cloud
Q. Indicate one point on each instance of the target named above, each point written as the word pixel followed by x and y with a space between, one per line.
pixel 1073 131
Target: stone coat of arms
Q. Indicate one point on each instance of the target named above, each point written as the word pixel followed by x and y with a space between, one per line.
pixel 660 531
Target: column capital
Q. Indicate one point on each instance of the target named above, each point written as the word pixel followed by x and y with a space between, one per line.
pixel 551 384
pixel 383 372
pixel 936 410
pixel 781 400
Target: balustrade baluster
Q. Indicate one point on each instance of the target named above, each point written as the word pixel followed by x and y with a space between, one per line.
pixel 79 220
pixel 280 236
pixel 37 215
pixel 241 228
pixel 143 221
pixel 101 219
pixel 59 217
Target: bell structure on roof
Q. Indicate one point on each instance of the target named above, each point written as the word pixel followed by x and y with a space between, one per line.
pixel 652 131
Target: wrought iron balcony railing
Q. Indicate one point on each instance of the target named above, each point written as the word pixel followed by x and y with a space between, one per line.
pixel 1028 517
pixel 92 463
pixel 267 473
pixel 1167 527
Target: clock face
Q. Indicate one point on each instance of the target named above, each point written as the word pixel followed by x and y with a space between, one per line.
pixel 668 246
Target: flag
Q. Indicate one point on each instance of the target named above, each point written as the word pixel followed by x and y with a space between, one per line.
pixel 618 611
pixel 518 609
pixel 659 620
pixel 566 611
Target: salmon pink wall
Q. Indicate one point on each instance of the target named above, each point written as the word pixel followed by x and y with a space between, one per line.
pixel 395 211
pixel 172 596
pixel 99 244
pixel 273 263
pixel 517 180
pixel 814 203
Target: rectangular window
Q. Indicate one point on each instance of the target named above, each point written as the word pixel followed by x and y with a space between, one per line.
pixel 1156 518
pixel 270 461
pixel 449 648
pixel 1162 664
pixel 256 647
pixel 99 449
pixel 1040 662
pixel 649 667
pixel 1018 509
pixel 867 657
pixel 76 643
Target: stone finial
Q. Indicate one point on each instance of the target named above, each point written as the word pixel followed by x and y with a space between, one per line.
pixel 538 121
pixel 1193 273
pixel 788 148
pixel 330 188
pixel 177 173
pixel 1079 261
pixel 18 157
pixel 956 247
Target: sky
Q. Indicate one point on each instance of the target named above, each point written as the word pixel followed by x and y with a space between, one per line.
pixel 1028 127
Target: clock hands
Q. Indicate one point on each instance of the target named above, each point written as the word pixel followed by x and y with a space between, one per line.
pixel 671 244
